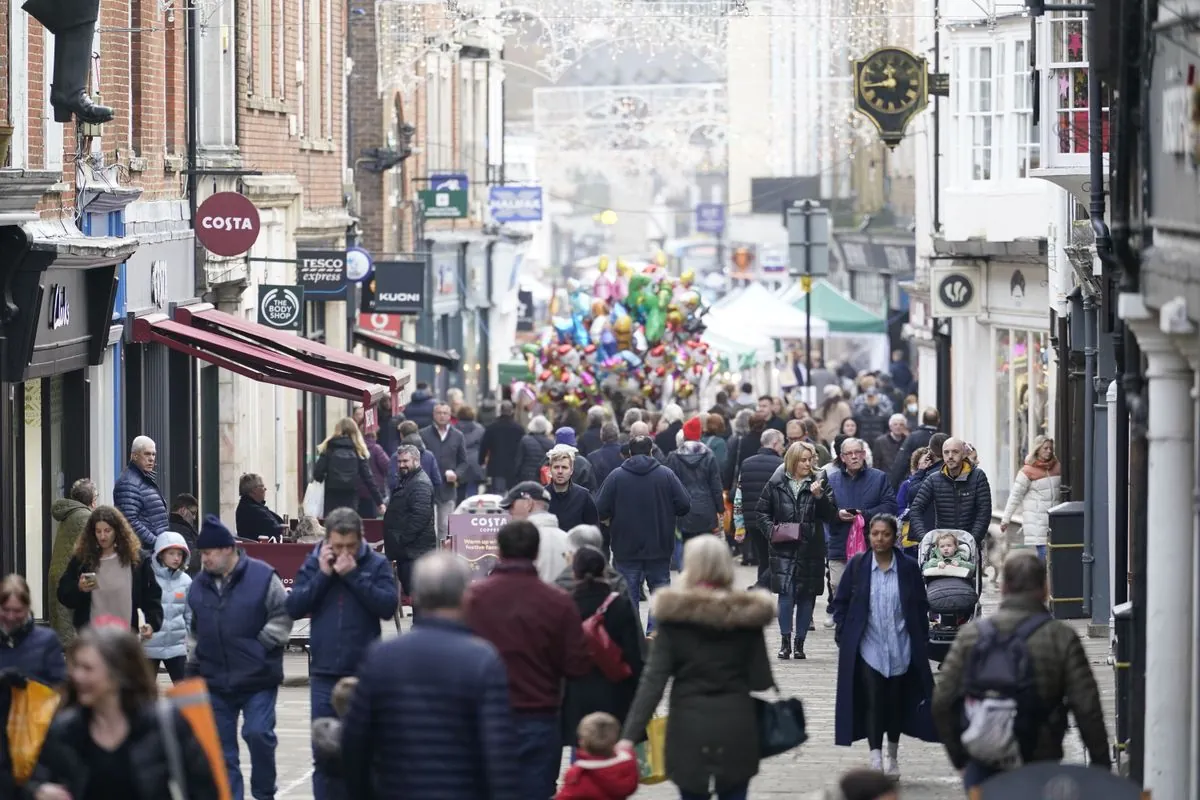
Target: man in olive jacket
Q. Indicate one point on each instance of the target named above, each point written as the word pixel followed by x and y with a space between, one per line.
pixel 1061 671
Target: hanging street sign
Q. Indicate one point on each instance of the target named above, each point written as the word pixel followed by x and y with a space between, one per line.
pixel 450 204
pixel 710 218
pixel 390 325
pixel 281 307
pixel 397 287
pixel 227 224
pixel 515 203
pixel 448 182
pixel 358 264
pixel 322 273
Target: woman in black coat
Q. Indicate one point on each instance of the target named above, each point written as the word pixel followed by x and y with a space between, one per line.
pixel 594 692
pixel 111 738
pixel 532 449
pixel 798 494
pixel 344 466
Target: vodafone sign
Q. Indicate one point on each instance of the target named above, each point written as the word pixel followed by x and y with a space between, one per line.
pixel 227 224
pixel 383 324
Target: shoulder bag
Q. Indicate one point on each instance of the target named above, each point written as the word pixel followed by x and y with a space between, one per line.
pixel 605 653
pixel 781 724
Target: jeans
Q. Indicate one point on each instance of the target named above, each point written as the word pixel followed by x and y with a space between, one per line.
pixel 657 573
pixel 677 556
pixel 884 704
pixel 1041 551
pixel 737 793
pixel 975 773
pixel 404 570
pixel 325 786
pixel 539 751
pixel 257 710
pixel 443 509
pixel 802 609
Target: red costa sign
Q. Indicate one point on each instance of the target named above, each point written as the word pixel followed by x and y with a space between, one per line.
pixel 227 224
pixel 382 324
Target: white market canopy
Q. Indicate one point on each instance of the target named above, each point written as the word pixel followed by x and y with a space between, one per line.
pixel 736 342
pixel 756 310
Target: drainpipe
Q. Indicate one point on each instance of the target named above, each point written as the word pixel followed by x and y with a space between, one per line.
pixel 199 275
pixel 1090 331
pixel 1170 557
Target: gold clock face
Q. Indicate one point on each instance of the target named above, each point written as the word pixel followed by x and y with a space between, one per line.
pixel 890 81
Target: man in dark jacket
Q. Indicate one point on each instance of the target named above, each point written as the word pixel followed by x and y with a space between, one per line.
pixel 408 524
pixel 871 417
pixel 420 406
pixel 347 588
pixel 766 407
pixel 756 471
pixel 570 502
pixel 641 502
pixel 431 715
pixel 185 511
pixel 450 449
pixel 930 420
pixel 885 448
pixel 696 467
pixel 136 493
pixel 958 494
pixel 1061 672
pixel 498 450
pixel 583 473
pixel 253 518
pixel 607 456
pixel 589 440
pixel 241 625
pixel 537 629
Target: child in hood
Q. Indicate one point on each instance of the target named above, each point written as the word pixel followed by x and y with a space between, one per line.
pixel 327 738
pixel 170 645
pixel 600 773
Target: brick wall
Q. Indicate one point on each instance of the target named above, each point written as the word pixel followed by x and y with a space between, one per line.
pixel 369 113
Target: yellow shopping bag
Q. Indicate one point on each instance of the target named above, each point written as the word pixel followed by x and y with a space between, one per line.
pixel 29 719
pixel 652 753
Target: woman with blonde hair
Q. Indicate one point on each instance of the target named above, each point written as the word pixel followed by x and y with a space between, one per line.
pixel 709 639
pixel 343 465
pixel 1035 492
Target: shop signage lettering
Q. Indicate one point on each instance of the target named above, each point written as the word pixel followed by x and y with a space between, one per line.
pixel 281 307
pixel 322 273
pixel 60 307
pixel 515 203
pixel 227 224
pixel 472 538
pixel 398 287
pixel 384 324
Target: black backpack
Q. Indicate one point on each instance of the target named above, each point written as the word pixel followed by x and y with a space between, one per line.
pixel 1002 709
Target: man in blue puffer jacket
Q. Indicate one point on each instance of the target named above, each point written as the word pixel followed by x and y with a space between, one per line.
pixel 347 588
pixel 136 494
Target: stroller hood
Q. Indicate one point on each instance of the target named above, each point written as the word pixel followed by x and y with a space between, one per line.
pixel 966 545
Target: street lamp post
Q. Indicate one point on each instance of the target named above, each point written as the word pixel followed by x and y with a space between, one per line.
pixel 808 256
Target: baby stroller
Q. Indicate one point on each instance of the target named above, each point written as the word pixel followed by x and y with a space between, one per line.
pixel 953 592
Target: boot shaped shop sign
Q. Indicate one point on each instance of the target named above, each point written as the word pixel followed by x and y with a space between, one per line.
pixel 227 224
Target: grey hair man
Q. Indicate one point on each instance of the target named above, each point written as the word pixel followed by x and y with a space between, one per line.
pixel 253 517
pixel 449 447
pixel 630 416
pixel 582 536
pixel 643 429
pixel 432 707
pixel 607 457
pixel 137 495
pixel 589 440
pixel 886 447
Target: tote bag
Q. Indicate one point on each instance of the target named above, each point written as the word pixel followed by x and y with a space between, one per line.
pixel 29 716
pixel 652 753
pixel 314 500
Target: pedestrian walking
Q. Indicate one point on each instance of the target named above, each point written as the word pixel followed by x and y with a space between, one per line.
pixel 449 448
pixel 589 536
pixel 710 643
pixel 241 625
pixel 1035 492
pixel 409 527
pixel 607 457
pixel 185 513
pixel 112 738
pixel 253 518
pixel 834 410
pixel 378 460
pixel 499 449
pixel 473 476
pixel 137 495
pixel 346 588
pixel 169 645
pixel 342 465
pixel 922 461
pixel 886 446
pixel 599 771
pixel 958 495
pixel 715 434
pixel 696 467
pixel 884 683
pixel 582 474
pixel 539 633
pixel 409 434
pixel 532 449
pixel 796 502
pixel 756 472
pixel 26 648
pixel 108 576
pixel 71 513
pixel 530 501
pixel 990 663
pixel 589 440
pixel 431 714
pixel 419 408
pixel 570 502
pixel 930 420
pixel 327 738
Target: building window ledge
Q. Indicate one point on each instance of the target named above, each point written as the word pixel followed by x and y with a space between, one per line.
pixel 174 163
pixel 269 104
pixel 319 145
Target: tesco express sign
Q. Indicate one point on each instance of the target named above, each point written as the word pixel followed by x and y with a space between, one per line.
pixel 227 224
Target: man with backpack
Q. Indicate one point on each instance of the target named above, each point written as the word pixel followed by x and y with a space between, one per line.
pixel 1010 679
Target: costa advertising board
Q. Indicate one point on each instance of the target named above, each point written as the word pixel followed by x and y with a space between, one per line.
pixel 227 224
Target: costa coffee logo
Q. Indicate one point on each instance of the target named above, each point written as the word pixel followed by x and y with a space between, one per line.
pixel 227 224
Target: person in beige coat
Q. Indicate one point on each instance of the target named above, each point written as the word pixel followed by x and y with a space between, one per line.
pixel 1035 492
pixel 833 412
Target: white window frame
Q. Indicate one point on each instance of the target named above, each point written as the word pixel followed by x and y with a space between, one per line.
pixel 975 109
pixel 1021 131
pixel 1063 56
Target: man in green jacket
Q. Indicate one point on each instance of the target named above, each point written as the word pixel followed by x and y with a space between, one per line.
pixel 71 513
pixel 1061 673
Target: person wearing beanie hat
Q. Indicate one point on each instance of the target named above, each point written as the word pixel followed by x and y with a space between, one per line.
pixel 565 435
pixel 241 626
pixel 697 469
pixel 584 475
pixel 693 430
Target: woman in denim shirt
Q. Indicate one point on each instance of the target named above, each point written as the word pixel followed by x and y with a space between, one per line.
pixel 882 618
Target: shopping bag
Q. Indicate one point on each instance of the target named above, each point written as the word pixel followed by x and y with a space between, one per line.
pixel 652 753
pixel 314 500
pixel 781 725
pixel 29 718
pixel 856 540
pixel 190 696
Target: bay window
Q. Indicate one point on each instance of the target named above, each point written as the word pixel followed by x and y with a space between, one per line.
pixel 1068 83
pixel 980 111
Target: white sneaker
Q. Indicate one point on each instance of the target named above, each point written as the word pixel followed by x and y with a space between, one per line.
pixel 892 767
pixel 829 621
pixel 876 762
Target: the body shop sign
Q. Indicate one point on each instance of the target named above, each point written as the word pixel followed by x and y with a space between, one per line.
pixel 227 224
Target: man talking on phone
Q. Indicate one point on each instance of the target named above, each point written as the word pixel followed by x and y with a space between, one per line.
pixel 859 490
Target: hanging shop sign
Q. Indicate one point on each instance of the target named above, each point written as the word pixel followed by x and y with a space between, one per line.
pixel 358 264
pixel 449 182
pixel 281 307
pixel 390 325
pixel 227 224
pixel 710 218
pixel 438 204
pixel 956 291
pixel 524 310
pixel 397 287
pixel 322 273
pixel 515 203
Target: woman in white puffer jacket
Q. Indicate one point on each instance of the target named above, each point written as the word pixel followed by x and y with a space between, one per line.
pixel 1035 491
pixel 170 645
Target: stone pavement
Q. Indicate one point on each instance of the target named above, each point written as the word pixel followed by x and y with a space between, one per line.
pixel 926 773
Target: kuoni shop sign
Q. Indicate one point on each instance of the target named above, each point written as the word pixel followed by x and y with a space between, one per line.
pixel 472 537
pixel 398 287
pixel 322 273
pixel 227 224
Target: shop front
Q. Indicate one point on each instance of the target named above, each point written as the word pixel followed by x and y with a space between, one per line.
pixel 476 304
pixel 442 328
pixel 61 286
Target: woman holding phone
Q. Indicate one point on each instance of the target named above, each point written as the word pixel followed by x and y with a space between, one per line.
pixel 107 576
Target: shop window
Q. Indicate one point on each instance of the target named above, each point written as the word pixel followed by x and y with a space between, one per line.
pixel 1022 399
pixel 1020 112
pixel 1068 87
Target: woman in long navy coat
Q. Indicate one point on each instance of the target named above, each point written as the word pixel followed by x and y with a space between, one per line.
pixel 851 612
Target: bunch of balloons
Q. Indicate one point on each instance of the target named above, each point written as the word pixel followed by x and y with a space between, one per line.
pixel 634 332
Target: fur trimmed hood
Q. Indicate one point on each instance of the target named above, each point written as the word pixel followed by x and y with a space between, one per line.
pixel 722 609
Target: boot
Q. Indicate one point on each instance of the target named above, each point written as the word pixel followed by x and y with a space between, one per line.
pixel 785 649
pixel 68 95
pixel 798 650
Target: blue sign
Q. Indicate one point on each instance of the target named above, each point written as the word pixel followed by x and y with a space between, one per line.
pixel 710 218
pixel 448 182
pixel 515 203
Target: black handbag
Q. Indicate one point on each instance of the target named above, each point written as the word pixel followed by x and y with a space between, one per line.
pixel 780 725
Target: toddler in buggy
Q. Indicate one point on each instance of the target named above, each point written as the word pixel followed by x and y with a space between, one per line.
pixel 952 585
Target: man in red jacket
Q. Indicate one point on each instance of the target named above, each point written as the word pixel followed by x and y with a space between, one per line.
pixel 538 631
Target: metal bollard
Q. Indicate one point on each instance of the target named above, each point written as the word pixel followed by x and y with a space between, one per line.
pixel 1123 678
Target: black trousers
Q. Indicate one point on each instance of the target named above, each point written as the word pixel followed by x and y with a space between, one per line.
pixel 883 702
pixel 761 549
pixel 176 667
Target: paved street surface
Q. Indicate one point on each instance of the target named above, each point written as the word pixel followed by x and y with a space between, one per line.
pixel 926 773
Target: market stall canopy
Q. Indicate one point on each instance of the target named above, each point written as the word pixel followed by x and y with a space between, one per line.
pixel 756 309
pixel 735 341
pixel 843 314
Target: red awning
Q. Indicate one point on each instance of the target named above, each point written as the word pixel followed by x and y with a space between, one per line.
pixel 254 362
pixel 205 317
